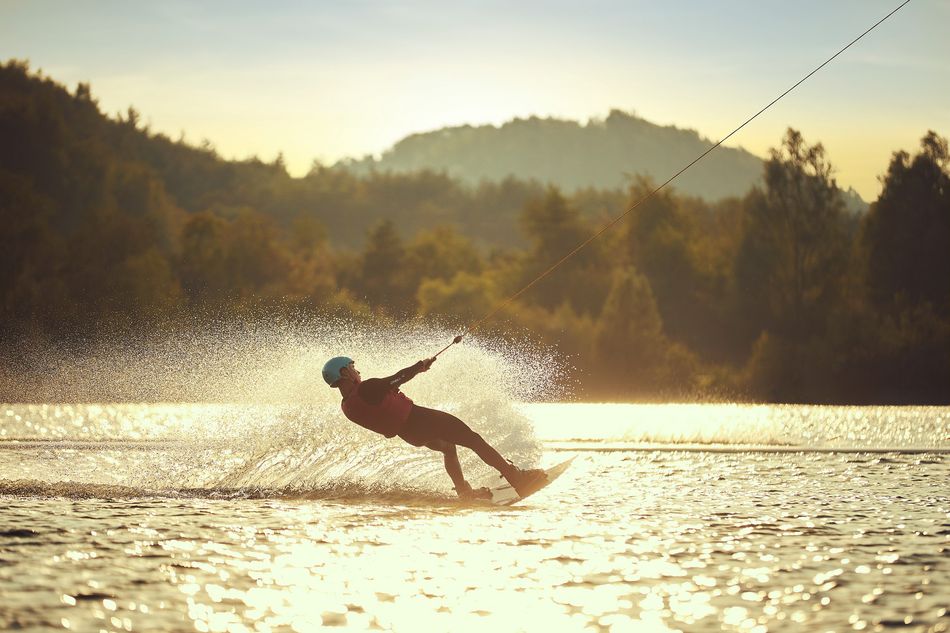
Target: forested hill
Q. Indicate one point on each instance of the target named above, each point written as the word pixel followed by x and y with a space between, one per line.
pixel 571 155
pixel 111 232
pixel 76 161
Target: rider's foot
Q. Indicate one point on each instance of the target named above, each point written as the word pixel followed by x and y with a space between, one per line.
pixel 527 481
pixel 481 493
pixel 467 493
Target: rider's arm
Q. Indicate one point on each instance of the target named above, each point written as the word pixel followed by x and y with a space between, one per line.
pixel 405 375
pixel 375 389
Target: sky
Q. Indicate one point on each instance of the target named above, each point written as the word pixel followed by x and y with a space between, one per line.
pixel 327 80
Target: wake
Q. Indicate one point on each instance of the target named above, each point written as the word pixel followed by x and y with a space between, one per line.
pixel 265 423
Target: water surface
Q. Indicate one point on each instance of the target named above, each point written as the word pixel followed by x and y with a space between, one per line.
pixel 672 517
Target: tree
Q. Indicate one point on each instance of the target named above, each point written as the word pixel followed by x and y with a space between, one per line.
pixel 311 278
pixel 29 251
pixel 629 343
pixel 257 265
pixel 465 296
pixel 795 248
pixel 381 279
pixel 440 253
pixel 146 288
pixel 204 257
pixel 555 228
pixel 906 234
pixel 662 239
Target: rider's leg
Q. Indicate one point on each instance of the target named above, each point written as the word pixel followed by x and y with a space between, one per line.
pixel 452 466
pixel 432 423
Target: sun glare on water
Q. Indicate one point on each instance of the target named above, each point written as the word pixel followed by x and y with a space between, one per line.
pixel 656 423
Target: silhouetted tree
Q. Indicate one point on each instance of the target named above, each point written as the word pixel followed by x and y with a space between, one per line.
pixel 29 253
pixel 107 229
pixel 464 296
pixel 795 248
pixel 907 231
pixel 555 228
pixel 204 257
pixel 381 280
pixel 629 343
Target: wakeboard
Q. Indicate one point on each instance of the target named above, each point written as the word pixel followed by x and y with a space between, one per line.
pixel 505 495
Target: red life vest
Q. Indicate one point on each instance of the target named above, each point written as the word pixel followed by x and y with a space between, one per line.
pixel 388 417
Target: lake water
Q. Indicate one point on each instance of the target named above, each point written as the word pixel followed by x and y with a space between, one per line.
pixel 278 517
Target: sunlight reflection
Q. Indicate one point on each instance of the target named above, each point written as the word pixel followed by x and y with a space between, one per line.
pixel 651 540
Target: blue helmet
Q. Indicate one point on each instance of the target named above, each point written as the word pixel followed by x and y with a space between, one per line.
pixel 331 370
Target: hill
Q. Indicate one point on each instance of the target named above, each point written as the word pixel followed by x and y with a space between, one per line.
pixel 112 233
pixel 600 154
pixel 75 161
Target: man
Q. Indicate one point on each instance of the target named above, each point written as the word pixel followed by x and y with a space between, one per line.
pixel 378 405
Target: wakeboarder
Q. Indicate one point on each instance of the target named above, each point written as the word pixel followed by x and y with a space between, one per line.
pixel 378 405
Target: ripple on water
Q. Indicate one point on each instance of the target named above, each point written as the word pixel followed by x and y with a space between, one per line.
pixel 654 540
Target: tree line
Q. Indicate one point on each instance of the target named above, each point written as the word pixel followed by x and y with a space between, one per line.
pixel 783 294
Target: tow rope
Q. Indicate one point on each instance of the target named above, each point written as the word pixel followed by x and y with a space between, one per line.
pixel 477 323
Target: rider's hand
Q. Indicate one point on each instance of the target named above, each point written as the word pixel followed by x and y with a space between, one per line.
pixel 427 363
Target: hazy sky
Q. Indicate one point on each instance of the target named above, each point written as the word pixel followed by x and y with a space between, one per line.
pixel 324 80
